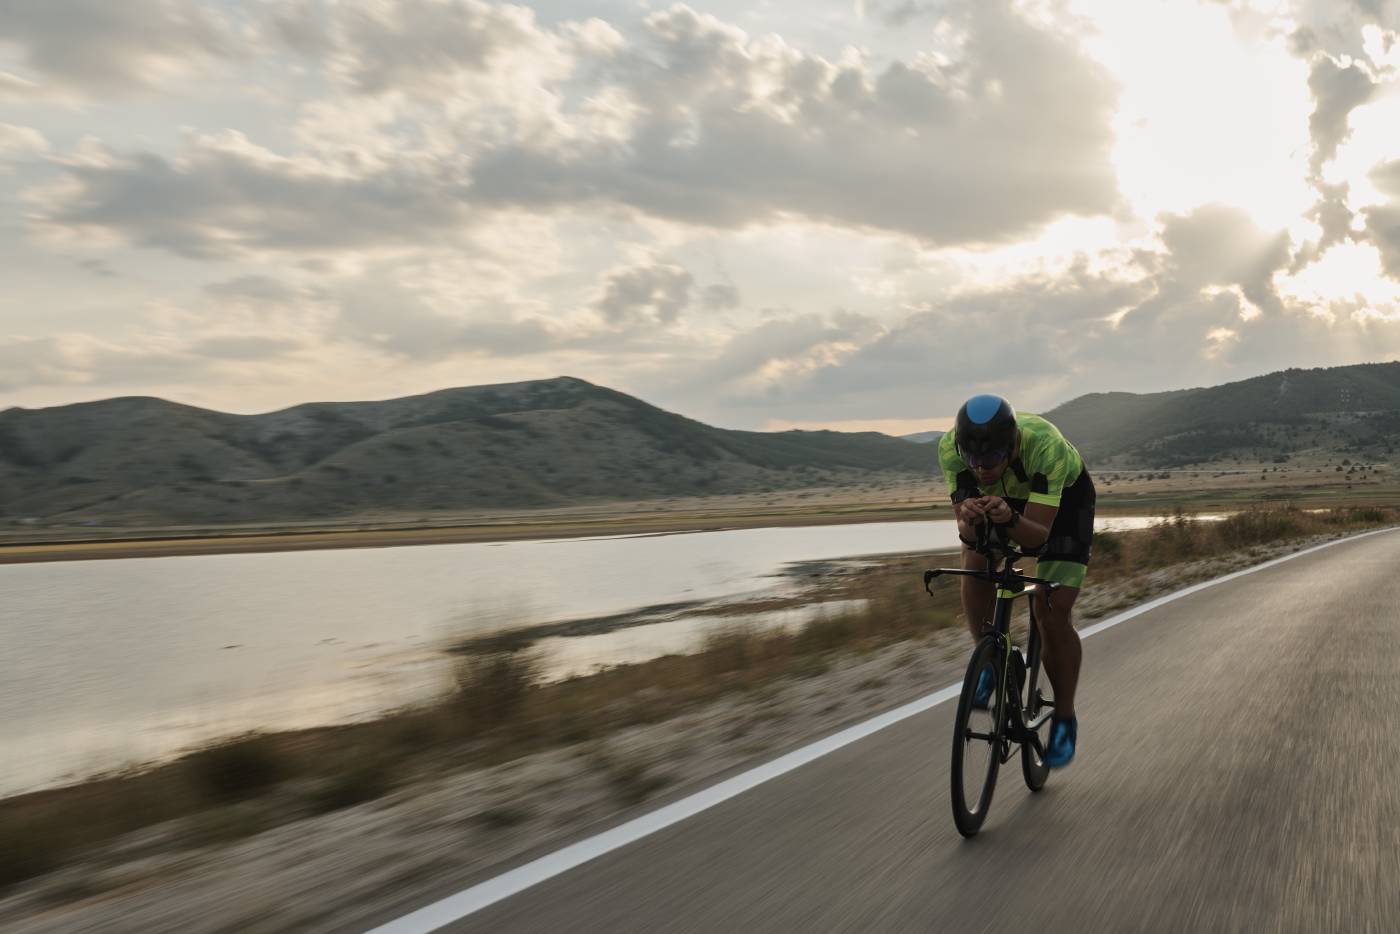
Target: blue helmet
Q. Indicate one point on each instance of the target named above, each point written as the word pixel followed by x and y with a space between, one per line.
pixel 985 424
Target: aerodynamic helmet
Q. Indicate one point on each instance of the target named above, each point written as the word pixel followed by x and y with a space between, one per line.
pixel 986 425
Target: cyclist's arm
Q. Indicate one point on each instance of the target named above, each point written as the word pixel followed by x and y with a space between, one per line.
pixel 962 486
pixel 1034 528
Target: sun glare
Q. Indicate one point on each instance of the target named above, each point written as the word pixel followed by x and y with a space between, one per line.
pixel 1204 115
pixel 1348 274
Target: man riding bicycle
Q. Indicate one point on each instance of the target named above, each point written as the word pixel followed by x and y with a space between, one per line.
pixel 1021 475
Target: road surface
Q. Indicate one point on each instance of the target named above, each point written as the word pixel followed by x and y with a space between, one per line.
pixel 1239 769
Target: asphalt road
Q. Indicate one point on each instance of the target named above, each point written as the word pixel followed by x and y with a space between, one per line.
pixel 1239 769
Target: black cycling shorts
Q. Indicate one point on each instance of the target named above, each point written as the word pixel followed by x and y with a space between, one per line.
pixel 1065 556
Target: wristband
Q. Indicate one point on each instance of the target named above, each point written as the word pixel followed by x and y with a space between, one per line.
pixel 1011 523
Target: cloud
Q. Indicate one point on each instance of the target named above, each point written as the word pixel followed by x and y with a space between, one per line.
pixel 98 267
pixel 71 359
pixel 1217 245
pixel 724 130
pixel 1200 307
pixel 20 142
pixel 699 124
pixel 720 296
pixel 243 347
pixel 1338 27
pixel 1383 229
pixel 225 197
pixel 1338 91
pixel 416 45
pixel 380 312
pixel 655 293
pixel 100 47
pixel 1383 221
pixel 253 288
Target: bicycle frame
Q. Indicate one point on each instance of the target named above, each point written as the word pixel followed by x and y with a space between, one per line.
pixel 1010 584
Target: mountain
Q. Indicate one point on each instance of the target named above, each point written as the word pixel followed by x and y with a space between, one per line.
pixel 540 443
pixel 923 437
pixel 1291 414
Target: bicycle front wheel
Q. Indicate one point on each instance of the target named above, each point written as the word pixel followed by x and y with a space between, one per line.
pixel 977 740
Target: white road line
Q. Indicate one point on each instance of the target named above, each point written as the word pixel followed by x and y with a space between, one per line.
pixel 471 900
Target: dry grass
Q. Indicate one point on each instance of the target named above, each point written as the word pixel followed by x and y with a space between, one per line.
pixel 500 709
pixel 1177 538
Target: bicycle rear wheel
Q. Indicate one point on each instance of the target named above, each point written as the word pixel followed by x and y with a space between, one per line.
pixel 977 741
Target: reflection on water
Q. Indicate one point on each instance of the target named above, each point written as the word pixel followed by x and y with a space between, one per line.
pixel 112 662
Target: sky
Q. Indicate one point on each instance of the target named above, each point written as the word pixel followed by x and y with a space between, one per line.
pixel 770 214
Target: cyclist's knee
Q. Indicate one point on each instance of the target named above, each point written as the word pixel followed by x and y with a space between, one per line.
pixel 1058 611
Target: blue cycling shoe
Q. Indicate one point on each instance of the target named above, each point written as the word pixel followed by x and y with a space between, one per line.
pixel 986 683
pixel 1063 735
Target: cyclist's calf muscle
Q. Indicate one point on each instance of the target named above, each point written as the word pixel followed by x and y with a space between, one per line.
pixel 977 596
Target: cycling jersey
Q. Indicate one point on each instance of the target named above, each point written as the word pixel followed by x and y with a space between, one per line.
pixel 1049 471
pixel 1046 466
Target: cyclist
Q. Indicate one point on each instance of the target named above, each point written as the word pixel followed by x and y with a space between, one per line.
pixel 1019 473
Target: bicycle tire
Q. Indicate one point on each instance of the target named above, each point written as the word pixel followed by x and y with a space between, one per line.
pixel 976 761
pixel 1033 767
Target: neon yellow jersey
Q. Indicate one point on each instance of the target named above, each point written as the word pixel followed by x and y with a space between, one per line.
pixel 1049 462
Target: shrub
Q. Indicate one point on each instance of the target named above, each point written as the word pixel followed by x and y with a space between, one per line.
pixel 239 768
pixel 1107 548
pixel 492 686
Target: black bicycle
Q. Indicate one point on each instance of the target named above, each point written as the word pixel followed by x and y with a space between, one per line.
pixel 986 737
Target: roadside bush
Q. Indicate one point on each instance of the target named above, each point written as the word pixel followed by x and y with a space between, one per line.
pixel 1174 538
pixel 492 686
pixel 1257 527
pixel 1107 548
pixel 238 769
pixel 823 633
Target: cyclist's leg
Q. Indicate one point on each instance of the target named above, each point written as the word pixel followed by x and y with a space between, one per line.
pixel 1065 561
pixel 1061 652
pixel 977 596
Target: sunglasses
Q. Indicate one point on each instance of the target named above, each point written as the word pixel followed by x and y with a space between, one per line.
pixel 986 458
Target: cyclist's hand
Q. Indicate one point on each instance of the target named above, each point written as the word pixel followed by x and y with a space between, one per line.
pixel 970 511
pixel 997 509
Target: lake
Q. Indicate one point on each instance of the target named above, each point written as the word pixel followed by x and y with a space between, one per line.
pixel 109 663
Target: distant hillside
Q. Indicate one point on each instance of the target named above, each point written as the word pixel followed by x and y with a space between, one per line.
pixel 923 437
pixel 540 443
pixel 1351 410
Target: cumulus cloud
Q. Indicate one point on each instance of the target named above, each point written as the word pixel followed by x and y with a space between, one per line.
pixel 415 44
pixel 97 47
pixel 1203 303
pixel 699 123
pixel 1383 229
pixel 725 130
pixel 1338 90
pixel 655 293
pixel 1382 222
pixel 1338 27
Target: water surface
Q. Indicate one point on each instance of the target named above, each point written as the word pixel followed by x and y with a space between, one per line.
pixel 121 661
